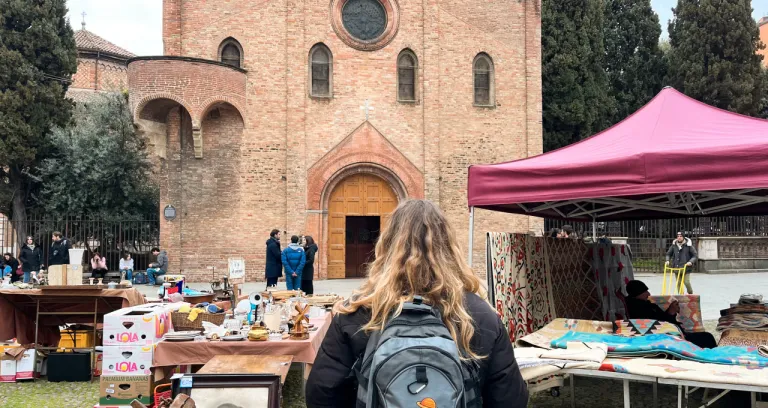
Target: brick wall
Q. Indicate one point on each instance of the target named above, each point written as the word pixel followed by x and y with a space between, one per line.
pixel 254 173
pixel 100 75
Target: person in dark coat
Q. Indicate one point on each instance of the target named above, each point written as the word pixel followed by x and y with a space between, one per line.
pixel 11 265
pixel 406 267
pixel 31 258
pixel 683 253
pixel 59 254
pixel 310 250
pixel 639 307
pixel 274 265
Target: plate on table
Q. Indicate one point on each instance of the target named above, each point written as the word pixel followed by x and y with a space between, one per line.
pixel 233 338
pixel 179 339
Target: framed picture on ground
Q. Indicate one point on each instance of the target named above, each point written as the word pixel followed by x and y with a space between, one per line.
pixel 230 390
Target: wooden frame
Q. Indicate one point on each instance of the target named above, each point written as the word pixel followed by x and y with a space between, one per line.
pixel 220 381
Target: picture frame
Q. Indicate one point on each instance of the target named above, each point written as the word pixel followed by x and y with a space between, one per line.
pixel 230 390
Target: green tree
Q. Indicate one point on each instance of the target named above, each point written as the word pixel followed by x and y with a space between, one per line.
pixel 101 167
pixel 634 61
pixel 576 100
pixel 37 59
pixel 713 56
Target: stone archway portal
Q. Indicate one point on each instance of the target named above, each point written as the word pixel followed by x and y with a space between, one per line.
pixel 359 206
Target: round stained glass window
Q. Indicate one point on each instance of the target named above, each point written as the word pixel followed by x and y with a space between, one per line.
pixel 364 20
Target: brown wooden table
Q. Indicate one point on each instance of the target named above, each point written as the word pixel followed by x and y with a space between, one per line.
pixel 261 364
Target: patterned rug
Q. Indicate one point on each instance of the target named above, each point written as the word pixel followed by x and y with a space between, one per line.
pixel 643 327
pixel 738 337
pixel 543 337
pixel 574 282
pixel 613 267
pixel 654 344
pixel 688 370
pixel 690 311
pixel 744 321
pixel 520 282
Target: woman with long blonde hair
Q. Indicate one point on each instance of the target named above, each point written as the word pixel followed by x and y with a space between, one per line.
pixel 417 256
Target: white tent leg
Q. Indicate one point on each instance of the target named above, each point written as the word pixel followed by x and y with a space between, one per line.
pixel 594 229
pixel 471 234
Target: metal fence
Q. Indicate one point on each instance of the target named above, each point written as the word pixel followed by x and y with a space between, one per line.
pixel 110 237
pixel 650 239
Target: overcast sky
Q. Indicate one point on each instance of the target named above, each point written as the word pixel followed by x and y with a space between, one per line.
pixel 137 25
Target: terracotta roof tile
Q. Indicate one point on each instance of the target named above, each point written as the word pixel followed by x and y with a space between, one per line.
pixel 87 40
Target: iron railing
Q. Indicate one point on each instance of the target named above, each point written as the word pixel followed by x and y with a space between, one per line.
pixel 650 239
pixel 110 237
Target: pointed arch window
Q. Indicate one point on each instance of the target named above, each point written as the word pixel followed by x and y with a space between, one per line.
pixel 321 71
pixel 231 53
pixel 407 67
pixel 483 80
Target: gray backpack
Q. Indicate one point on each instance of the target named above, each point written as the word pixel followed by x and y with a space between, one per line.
pixel 414 362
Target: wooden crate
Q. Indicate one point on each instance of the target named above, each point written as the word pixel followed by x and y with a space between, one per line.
pixel 57 275
pixel 74 275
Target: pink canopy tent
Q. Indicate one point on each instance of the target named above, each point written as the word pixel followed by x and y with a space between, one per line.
pixel 675 157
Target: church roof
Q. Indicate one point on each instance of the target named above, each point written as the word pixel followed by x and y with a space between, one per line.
pixel 88 41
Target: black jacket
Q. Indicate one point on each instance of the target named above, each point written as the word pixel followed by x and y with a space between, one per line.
pixel 678 257
pixel 309 267
pixel 644 309
pixel 31 259
pixel 501 384
pixel 13 263
pixel 274 267
pixel 59 254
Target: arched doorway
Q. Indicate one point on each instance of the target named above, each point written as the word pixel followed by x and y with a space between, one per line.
pixel 358 207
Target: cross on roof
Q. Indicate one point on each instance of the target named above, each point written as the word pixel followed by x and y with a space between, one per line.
pixel 83 14
pixel 367 108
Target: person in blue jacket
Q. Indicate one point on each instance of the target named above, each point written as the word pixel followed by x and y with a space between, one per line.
pixel 293 258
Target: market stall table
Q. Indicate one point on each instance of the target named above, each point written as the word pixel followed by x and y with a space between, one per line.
pixel 170 354
pixel 33 316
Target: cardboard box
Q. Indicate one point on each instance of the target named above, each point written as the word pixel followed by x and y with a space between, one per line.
pixel 97 368
pixel 57 275
pixel 141 325
pixel 127 360
pixel 7 369
pixel 74 275
pixel 29 366
pixel 122 389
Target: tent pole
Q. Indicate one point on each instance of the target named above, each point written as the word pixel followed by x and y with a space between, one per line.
pixel 471 233
pixel 594 229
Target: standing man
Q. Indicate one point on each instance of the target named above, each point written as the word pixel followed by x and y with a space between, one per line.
pixel 274 265
pixel 59 254
pixel 160 267
pixel 293 259
pixel 683 253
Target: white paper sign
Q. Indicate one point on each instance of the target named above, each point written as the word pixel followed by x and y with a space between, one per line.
pixel 236 269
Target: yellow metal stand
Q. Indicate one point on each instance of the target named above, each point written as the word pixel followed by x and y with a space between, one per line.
pixel 676 275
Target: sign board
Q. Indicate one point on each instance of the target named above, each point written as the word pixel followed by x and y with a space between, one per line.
pixel 236 270
pixel 169 212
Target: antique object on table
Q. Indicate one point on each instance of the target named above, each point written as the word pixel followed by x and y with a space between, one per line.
pixel 258 333
pixel 324 300
pixel 181 320
pixel 279 295
pixel 216 390
pixel 201 298
pixel 300 324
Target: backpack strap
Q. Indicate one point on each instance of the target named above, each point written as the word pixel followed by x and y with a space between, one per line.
pixel 361 369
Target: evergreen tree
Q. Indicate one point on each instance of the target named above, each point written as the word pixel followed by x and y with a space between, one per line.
pixel 713 56
pixel 576 100
pixel 37 59
pixel 634 61
pixel 102 167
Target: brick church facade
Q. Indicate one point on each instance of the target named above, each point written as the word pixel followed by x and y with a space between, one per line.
pixel 318 117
